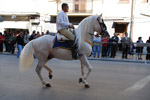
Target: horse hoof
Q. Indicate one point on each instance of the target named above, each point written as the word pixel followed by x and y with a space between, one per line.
pixel 80 80
pixel 47 85
pixel 50 76
pixel 87 86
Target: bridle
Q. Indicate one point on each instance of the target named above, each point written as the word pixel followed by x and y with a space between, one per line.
pixel 102 26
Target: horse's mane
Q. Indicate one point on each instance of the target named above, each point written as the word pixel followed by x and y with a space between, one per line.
pixel 85 26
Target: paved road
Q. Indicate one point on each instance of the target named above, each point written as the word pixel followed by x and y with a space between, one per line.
pixel 108 81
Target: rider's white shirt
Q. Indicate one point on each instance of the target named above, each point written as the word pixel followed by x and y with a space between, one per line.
pixel 62 21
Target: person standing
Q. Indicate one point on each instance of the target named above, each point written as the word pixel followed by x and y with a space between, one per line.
pixel 1 42
pixel 109 46
pixel 148 50
pixel 32 35
pixel 114 45
pixel 26 37
pixel 20 43
pixel 105 42
pixel 125 46
pixel 13 42
pixel 96 43
pixel 9 41
pixel 37 34
pixel 139 49
pixel 6 41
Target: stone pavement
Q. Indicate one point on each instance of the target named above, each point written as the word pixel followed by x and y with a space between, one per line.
pixel 108 81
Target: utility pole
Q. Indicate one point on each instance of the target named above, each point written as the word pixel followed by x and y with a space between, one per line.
pixel 57 5
pixel 132 20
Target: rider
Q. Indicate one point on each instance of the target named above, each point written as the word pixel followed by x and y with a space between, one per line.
pixel 63 24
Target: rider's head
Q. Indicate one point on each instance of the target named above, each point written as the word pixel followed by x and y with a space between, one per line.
pixel 65 7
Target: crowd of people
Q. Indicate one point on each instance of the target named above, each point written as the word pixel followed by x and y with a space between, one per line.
pixel 12 40
pixel 108 47
pixel 103 46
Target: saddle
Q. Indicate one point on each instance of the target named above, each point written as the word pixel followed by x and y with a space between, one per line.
pixel 62 41
pixel 61 38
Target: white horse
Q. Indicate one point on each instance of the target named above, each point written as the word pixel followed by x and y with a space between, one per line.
pixel 42 47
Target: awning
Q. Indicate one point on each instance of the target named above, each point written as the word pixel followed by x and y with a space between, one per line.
pixel 120 22
pixel 14 25
pixel 18 13
pixel 146 14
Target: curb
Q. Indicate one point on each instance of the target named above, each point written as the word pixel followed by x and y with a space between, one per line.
pixel 104 59
pixel 120 60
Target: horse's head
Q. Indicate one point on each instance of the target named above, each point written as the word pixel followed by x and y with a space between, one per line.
pixel 101 24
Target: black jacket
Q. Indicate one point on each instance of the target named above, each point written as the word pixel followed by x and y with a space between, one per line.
pixel 20 40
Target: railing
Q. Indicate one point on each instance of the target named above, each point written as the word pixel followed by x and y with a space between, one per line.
pixel 79 11
pixel 75 6
pixel 132 51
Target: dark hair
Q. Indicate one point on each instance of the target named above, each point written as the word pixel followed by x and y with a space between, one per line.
pixel 0 33
pixel 140 38
pixel 64 5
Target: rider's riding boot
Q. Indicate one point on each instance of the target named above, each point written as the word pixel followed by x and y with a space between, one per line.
pixel 73 49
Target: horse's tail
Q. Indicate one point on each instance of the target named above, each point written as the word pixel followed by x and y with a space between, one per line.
pixel 26 57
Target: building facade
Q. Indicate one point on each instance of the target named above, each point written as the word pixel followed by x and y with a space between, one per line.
pixel 120 16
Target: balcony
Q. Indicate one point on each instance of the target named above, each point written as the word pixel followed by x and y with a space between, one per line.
pixel 79 11
pixel 78 7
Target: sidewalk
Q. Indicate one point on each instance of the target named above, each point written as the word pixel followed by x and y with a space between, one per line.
pixel 118 58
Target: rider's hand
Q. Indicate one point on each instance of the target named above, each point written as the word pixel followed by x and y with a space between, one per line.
pixel 71 26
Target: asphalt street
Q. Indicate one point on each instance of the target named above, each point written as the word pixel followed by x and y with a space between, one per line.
pixel 109 80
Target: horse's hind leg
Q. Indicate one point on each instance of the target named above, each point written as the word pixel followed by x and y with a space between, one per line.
pixel 49 70
pixel 38 70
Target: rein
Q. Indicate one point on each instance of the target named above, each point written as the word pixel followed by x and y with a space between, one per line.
pixel 101 26
pixel 91 34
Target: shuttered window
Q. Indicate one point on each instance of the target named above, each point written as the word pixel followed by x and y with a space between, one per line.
pixel 144 1
pixel 124 1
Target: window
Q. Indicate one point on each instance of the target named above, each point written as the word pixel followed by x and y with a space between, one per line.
pixel 76 8
pixel 144 1
pixel 124 1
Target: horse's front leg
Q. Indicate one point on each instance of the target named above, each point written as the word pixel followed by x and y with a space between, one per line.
pixel 84 62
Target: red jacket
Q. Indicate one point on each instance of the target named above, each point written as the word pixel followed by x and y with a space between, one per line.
pixel 105 42
pixel 2 38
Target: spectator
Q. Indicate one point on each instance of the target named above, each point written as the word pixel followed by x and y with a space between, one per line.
pixel 109 46
pixel 96 48
pixel 139 49
pixel 6 41
pixel 105 42
pixel 20 43
pixel 114 45
pixel 37 35
pixel 1 42
pixel 148 50
pixel 33 35
pixel 13 42
pixel 26 37
pixel 125 46
pixel 42 33
pixel 132 47
pixel 9 42
pixel 47 32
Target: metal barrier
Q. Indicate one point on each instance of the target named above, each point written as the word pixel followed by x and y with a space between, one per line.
pixel 132 52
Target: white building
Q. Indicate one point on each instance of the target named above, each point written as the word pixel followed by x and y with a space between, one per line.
pixel 41 14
